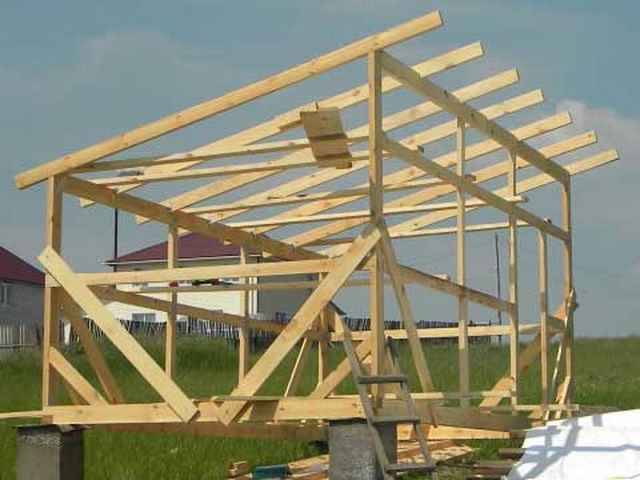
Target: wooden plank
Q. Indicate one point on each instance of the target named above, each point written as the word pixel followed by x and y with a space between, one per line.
pixel 293 384
pixel 471 116
pixel 397 120
pixel 172 317
pixel 159 213
pixel 118 335
pixel 543 295
pixel 529 184
pixel 429 166
pixel 376 204
pixel 326 136
pixel 73 314
pixel 231 100
pixel 338 374
pixel 130 298
pixel 51 305
pixel 473 151
pixel 244 339
pixel 444 332
pixel 461 268
pixel 301 321
pixel 74 379
pixel 514 319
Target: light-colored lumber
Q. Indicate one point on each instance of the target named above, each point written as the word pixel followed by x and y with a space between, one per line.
pixel 244 339
pixel 230 100
pixel 298 368
pixel 326 135
pixel 514 319
pixel 172 317
pixel 361 214
pixel 73 314
pixel 394 121
pixel 74 379
pixel 471 116
pixel 130 298
pixel 124 201
pixel 118 335
pixel 543 295
pixel 473 151
pixel 376 205
pixel 51 305
pixel 461 266
pixel 301 321
pixel 416 158
pixel 568 288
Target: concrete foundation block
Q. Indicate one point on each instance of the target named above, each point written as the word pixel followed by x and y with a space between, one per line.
pixel 352 453
pixel 49 452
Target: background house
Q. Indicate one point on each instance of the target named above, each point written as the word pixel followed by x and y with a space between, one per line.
pixel 21 301
pixel 194 251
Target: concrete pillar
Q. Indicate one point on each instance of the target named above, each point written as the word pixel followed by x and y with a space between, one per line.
pixel 49 452
pixel 351 450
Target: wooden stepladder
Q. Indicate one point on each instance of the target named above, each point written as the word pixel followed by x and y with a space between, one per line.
pixel 362 381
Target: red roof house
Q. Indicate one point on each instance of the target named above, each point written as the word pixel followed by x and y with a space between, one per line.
pixel 14 269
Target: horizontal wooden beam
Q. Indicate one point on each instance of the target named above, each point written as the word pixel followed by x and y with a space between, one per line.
pixel 231 100
pixel 434 207
pixel 129 298
pixel 162 214
pixel 204 273
pixel 188 157
pixel 471 116
pixel 417 159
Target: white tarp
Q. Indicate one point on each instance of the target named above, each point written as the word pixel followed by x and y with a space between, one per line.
pixel 598 447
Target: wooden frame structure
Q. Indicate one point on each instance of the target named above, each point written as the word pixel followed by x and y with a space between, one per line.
pixel 327 148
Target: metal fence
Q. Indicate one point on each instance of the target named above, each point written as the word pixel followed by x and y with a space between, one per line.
pixel 17 334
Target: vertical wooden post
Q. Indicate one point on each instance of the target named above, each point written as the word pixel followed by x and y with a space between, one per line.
pixel 170 331
pixel 568 287
pixel 514 335
pixel 244 342
pixel 323 345
pixel 52 295
pixel 461 273
pixel 544 312
pixel 376 288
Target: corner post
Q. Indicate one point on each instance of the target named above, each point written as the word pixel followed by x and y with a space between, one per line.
pixel 52 295
pixel 514 314
pixel 568 287
pixel 170 330
pixel 543 281
pixel 461 269
pixel 376 200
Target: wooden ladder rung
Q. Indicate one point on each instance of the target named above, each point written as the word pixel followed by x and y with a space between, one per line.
pixel 396 419
pixel 410 467
pixel 378 379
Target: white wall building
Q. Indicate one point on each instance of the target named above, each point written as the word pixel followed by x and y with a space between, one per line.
pixel 196 251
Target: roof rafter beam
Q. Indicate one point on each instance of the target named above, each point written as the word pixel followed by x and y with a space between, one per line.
pixel 207 109
pixel 471 116
pixel 416 158
pixel 396 120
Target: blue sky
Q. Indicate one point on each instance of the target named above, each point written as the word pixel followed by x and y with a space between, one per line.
pixel 74 72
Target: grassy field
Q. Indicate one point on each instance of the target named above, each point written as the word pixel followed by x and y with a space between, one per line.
pixel 608 373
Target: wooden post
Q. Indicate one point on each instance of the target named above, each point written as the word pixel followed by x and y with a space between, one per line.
pixel 323 344
pixel 514 336
pixel 461 274
pixel 544 314
pixel 170 333
pixel 376 288
pixel 568 287
pixel 52 295
pixel 244 342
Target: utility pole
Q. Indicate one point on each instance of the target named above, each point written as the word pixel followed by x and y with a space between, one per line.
pixel 498 284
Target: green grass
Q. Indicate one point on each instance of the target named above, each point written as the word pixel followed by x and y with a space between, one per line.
pixel 607 373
